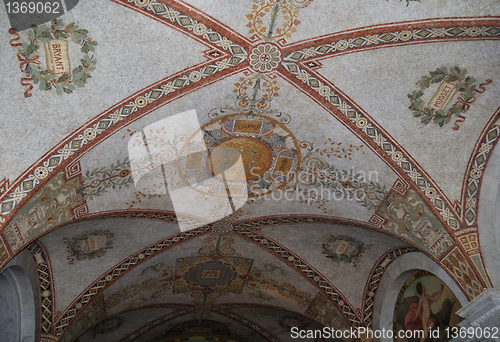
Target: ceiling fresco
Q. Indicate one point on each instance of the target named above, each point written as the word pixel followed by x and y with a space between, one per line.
pixel 357 131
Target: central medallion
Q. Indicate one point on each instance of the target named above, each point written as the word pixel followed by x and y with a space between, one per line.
pixel 210 274
pixel 265 57
pixel 256 155
pixel 269 152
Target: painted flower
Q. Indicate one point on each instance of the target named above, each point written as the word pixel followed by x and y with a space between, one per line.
pixel 265 57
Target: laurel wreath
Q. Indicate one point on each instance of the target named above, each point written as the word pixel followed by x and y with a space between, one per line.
pixel 81 254
pixel 58 30
pixel 358 245
pixel 466 85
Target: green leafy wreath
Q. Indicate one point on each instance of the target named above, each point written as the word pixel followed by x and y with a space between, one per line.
pixel 466 85
pixel 358 246
pixel 58 30
pixel 81 254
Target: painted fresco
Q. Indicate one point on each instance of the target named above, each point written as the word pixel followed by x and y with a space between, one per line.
pixel 53 205
pixel 272 79
pixel 409 217
pixel 425 303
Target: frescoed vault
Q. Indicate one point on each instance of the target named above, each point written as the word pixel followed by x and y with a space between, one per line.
pixel 356 135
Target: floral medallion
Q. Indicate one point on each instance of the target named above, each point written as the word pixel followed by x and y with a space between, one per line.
pixel 270 156
pixel 265 57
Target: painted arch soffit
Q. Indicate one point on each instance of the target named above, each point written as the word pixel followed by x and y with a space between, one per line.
pixel 23 189
pixel 311 19
pixel 214 272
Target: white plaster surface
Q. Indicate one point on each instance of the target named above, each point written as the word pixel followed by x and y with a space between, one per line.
pixel 10 315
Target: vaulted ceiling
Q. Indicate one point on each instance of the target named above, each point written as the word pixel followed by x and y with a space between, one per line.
pixel 363 127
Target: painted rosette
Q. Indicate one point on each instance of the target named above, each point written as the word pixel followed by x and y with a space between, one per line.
pixel 265 58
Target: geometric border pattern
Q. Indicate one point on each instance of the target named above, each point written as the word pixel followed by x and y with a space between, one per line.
pixel 129 263
pixel 318 279
pixel 145 328
pixel 403 36
pixel 376 277
pixel 44 279
pixel 476 172
pixel 379 138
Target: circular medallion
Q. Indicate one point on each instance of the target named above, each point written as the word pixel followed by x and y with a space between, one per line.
pixel 257 157
pixel 210 274
pixel 222 227
pixel 265 57
pixel 269 154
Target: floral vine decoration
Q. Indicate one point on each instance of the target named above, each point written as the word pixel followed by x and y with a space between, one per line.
pixel 28 55
pixel 281 15
pixel 457 80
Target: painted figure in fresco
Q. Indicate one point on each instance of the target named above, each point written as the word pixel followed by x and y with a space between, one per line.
pixel 424 309
pixel 415 313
